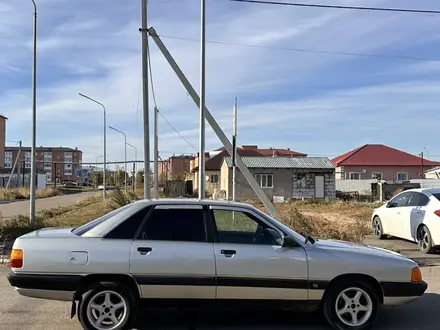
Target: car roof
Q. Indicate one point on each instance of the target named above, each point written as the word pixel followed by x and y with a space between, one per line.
pixel 193 201
pixel 428 190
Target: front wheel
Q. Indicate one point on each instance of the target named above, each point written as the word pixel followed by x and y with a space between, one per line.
pixel 107 306
pixel 351 305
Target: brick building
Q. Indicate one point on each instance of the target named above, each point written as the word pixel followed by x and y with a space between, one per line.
pixel 58 163
pixel 2 140
pixel 175 168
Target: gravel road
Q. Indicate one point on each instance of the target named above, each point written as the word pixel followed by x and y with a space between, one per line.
pixel 20 313
pixel 22 207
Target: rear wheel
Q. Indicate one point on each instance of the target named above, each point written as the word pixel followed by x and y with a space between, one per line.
pixel 351 305
pixel 424 239
pixel 378 229
pixel 107 306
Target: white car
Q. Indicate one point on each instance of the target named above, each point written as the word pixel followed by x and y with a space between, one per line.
pixel 413 215
pixel 206 254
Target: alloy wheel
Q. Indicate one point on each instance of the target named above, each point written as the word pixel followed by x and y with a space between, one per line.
pixel 107 310
pixel 354 307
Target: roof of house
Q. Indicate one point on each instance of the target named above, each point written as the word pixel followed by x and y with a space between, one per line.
pixel 380 155
pixel 285 162
pixel 271 151
pixel 4 117
pixel 215 163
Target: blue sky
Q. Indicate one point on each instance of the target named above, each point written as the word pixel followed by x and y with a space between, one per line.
pixel 320 104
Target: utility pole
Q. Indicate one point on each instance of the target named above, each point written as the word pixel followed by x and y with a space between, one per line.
pixel 13 167
pixel 234 148
pixel 134 164
pixel 125 155
pixel 144 31
pixel 32 185
pixel 423 170
pixel 156 153
pixel 202 105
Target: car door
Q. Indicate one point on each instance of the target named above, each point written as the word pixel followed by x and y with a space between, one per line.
pixel 417 205
pixel 251 263
pixel 396 212
pixel 172 256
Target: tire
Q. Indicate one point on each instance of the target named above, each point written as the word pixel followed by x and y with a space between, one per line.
pixel 424 239
pixel 378 228
pixel 344 293
pixel 114 302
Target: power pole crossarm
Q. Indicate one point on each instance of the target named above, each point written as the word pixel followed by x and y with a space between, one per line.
pixel 216 128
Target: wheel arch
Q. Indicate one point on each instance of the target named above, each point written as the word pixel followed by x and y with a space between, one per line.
pixel 359 277
pixel 88 281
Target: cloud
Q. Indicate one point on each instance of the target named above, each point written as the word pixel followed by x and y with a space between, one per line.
pixel 311 102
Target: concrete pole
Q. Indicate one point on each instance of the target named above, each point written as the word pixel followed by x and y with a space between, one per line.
pixel 234 148
pixel 156 153
pixel 202 105
pixel 144 31
pixel 32 185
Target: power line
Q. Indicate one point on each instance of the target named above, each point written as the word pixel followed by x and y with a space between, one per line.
pixel 305 50
pixel 155 104
pixel 401 10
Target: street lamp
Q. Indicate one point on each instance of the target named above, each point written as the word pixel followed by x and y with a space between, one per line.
pixel 125 154
pixel 105 142
pixel 32 185
pixel 135 159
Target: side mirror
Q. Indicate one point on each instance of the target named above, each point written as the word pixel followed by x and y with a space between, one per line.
pixel 289 241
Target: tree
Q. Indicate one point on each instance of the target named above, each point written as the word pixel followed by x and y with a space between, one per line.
pixel 140 177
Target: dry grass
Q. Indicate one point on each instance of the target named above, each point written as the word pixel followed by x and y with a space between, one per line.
pixel 24 193
pixel 334 220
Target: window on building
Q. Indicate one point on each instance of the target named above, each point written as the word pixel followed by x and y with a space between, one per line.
pixel 299 180
pixel 402 176
pixel 354 176
pixel 377 175
pixel 8 165
pixel 265 180
pixel 214 178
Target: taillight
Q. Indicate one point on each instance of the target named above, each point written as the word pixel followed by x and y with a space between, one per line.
pixel 16 259
pixel 437 213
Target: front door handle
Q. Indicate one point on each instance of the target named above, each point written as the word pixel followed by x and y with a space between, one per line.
pixel 228 252
pixel 144 250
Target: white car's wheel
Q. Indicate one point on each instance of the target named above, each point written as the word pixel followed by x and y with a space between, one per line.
pixel 424 239
pixel 109 306
pixel 378 228
pixel 351 305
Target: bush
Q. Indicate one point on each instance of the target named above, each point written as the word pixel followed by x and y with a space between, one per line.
pixel 13 194
pixel 119 198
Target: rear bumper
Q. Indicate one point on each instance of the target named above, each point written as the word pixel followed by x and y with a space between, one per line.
pixel 396 293
pixel 56 287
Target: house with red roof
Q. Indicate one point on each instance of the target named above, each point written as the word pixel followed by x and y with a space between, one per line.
pixel 377 161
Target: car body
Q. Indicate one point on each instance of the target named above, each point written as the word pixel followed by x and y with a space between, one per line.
pixel 414 215
pixel 207 253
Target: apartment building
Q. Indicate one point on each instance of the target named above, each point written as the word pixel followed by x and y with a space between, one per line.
pixel 59 163
pixel 2 140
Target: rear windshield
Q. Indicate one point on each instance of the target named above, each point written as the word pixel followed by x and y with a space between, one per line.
pixel 92 224
pixel 437 196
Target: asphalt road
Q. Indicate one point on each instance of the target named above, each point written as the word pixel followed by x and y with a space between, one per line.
pixel 22 207
pixel 20 313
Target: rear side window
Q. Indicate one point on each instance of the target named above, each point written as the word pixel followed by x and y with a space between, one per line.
pixel 436 196
pixel 128 228
pixel 418 199
pixel 186 225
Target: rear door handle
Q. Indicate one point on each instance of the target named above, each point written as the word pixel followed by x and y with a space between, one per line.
pixel 228 252
pixel 144 250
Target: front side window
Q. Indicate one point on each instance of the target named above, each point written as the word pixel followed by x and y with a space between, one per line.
pixel 244 228
pixel 401 200
pixel 174 224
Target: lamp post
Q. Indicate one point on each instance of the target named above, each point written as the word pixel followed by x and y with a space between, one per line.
pixel 32 185
pixel 105 142
pixel 125 154
pixel 135 159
